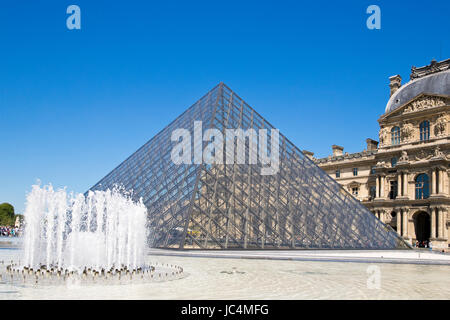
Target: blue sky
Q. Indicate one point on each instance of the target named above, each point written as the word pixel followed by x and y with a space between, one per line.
pixel 75 103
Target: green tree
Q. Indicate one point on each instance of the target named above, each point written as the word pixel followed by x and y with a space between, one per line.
pixel 7 216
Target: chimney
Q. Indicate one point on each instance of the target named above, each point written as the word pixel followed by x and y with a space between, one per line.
pixel 309 154
pixel 337 150
pixel 395 82
pixel 371 144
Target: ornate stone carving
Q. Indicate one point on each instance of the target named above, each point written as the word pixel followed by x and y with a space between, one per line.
pixel 383 135
pixel 440 126
pixel 424 102
pixel 433 67
pixel 381 164
pixel 404 157
pixel 406 131
pixel 422 155
pixel 438 153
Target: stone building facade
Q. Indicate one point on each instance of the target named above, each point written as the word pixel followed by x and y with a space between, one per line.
pixel 403 179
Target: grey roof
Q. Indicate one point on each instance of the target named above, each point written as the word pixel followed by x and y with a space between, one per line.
pixel 438 83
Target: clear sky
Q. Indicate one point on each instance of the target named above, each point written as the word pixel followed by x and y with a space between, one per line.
pixel 75 103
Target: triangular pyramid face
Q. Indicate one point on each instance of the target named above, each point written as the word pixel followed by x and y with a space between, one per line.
pixel 233 205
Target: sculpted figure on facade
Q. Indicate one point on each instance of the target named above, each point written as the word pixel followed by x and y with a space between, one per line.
pixel 438 153
pixel 404 157
pixel 407 131
pixel 440 126
pixel 381 164
pixel 383 135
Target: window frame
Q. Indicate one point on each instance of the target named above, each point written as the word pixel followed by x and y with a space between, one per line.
pixel 395 136
pixel 422 187
pixel 394 161
pixel 373 191
pixel 337 173
pixel 424 128
pixel 393 189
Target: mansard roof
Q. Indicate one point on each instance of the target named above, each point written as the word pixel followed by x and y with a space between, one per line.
pixel 431 79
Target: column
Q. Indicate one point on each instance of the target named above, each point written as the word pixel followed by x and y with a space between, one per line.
pixel 398 216
pixel 441 223
pixel 438 222
pixel 445 186
pixel 377 193
pixel 399 184
pixel 444 225
pixel 441 180
pixel 433 222
pixel 433 181
pixel 382 181
pixel 405 222
pixel 405 184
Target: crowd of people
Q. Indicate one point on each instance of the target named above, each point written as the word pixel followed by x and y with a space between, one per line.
pixel 6 231
pixel 423 244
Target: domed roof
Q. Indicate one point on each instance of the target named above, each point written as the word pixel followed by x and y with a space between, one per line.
pixel 437 83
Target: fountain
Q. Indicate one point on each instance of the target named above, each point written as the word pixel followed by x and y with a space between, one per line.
pixel 98 236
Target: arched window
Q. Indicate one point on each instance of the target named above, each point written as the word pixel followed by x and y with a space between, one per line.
pixel 422 186
pixel 395 135
pixel 425 130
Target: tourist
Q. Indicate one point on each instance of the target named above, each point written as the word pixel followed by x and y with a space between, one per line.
pixel 7 231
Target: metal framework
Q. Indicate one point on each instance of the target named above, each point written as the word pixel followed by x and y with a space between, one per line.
pixel 233 206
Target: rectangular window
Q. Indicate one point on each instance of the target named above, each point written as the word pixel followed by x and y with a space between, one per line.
pixel 395 135
pixel 393 191
pixel 393 162
pixel 425 130
pixel 355 171
pixel 373 192
pixel 355 191
pixel 338 173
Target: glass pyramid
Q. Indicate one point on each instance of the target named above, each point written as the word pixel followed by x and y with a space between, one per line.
pixel 234 206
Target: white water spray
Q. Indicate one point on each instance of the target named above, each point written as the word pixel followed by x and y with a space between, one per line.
pixel 101 231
